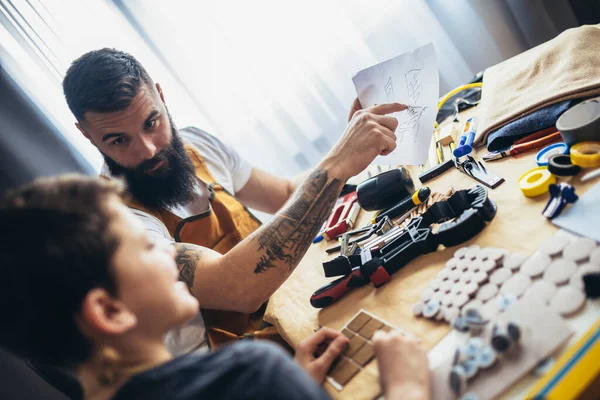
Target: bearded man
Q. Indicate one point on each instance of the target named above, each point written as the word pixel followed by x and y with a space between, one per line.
pixel 192 190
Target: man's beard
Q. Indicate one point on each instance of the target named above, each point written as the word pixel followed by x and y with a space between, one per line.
pixel 171 185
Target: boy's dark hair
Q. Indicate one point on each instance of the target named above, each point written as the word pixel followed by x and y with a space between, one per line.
pixel 55 246
pixel 104 80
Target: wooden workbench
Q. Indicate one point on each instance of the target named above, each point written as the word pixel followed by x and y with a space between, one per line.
pixel 518 226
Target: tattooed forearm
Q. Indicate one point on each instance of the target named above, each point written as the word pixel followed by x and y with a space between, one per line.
pixel 187 260
pixel 287 237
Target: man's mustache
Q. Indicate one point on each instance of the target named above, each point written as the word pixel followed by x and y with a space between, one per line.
pixel 147 165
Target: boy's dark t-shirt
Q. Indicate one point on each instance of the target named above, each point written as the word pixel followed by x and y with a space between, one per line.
pixel 245 370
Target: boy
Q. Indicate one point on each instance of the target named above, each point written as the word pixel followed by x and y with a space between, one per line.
pixel 84 288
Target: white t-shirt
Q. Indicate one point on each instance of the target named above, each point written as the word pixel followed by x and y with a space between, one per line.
pixel 230 171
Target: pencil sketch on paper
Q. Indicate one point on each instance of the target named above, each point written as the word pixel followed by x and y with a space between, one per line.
pixel 412 116
pixel 389 91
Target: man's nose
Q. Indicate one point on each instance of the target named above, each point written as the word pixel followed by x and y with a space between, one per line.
pixel 146 149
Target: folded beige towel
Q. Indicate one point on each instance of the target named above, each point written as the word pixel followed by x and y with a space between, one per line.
pixel 564 68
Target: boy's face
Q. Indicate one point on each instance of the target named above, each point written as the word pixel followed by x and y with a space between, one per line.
pixel 146 276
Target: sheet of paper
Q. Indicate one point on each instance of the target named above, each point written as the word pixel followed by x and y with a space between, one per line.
pixel 412 79
pixel 583 217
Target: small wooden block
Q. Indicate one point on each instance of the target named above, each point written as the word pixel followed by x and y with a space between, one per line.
pixel 387 328
pixel 369 329
pixel 364 355
pixel 344 371
pixel 359 321
pixel 348 333
pixel 356 343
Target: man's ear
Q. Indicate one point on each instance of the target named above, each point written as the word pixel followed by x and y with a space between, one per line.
pixel 160 93
pixel 78 125
pixel 103 314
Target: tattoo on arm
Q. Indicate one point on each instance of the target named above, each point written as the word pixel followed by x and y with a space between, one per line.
pixel 187 260
pixel 287 237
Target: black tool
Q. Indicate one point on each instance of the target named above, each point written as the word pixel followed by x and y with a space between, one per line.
pixel 478 171
pixel 384 190
pixel 406 205
pixel 378 228
pixel 436 171
pixel 463 216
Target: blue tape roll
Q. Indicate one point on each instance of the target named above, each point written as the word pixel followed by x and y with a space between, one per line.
pixel 544 154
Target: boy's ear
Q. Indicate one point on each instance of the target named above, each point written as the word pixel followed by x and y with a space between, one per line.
pixel 103 314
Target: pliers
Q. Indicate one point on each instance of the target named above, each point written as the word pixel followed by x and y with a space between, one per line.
pixel 528 143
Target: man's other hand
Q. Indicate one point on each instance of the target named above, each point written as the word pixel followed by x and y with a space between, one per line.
pixel 317 352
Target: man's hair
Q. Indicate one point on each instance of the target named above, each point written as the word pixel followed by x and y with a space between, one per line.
pixel 55 246
pixel 104 80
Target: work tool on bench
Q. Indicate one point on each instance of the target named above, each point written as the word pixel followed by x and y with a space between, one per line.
pixel 344 214
pixel 378 228
pixel 476 170
pixel 528 143
pixel 405 205
pixel 465 141
pixel 385 190
pixel 462 216
pixel 436 171
pixel 560 195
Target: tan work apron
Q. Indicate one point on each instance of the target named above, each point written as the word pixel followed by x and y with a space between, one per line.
pixel 224 225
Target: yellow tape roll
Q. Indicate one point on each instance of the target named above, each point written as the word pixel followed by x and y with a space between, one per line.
pixel 536 182
pixel 586 154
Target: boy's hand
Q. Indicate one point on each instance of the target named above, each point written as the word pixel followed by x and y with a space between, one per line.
pixel 403 368
pixel 317 352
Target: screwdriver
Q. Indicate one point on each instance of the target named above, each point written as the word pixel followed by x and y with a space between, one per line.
pixel 405 205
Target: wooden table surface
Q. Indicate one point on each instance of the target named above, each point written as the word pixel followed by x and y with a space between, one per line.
pixel 518 226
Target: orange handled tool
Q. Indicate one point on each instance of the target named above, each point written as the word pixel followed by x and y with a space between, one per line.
pixel 528 143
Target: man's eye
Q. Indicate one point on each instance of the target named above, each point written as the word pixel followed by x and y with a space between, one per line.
pixel 118 141
pixel 151 124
